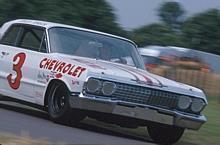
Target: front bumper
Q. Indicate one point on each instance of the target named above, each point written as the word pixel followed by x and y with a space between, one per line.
pixel 147 113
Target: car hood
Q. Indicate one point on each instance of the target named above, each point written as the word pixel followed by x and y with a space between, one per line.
pixel 125 73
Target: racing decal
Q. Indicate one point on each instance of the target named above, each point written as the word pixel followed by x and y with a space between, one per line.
pixel 134 75
pixel 18 60
pixel 148 80
pixel 58 75
pixel 90 64
pixel 159 84
pixel 61 67
pixel 42 77
pixel 144 75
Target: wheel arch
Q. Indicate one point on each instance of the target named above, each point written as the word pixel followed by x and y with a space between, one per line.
pixel 46 95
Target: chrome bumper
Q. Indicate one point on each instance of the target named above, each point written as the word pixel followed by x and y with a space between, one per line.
pixel 153 114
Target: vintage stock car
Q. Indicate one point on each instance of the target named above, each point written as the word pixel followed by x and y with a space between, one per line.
pixel 74 72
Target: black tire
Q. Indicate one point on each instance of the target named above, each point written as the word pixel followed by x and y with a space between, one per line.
pixel 164 134
pixel 59 109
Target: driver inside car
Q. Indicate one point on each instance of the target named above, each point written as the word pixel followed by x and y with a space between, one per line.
pixel 104 52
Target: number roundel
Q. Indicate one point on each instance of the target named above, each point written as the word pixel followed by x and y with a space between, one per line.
pixel 15 83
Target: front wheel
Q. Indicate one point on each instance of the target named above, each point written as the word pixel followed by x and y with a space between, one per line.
pixel 59 109
pixel 164 134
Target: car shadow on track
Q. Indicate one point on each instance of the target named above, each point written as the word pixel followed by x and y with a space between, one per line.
pixel 85 126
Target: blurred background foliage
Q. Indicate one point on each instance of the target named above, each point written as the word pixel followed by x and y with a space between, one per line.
pixel 199 32
pixel 93 14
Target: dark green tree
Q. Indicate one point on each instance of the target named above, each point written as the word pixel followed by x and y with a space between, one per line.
pixel 202 31
pixel 156 34
pixel 166 33
pixel 92 14
pixel 171 13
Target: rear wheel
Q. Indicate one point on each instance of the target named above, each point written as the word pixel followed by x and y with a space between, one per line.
pixel 59 108
pixel 164 134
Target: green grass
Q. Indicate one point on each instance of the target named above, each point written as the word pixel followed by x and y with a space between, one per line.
pixel 209 134
pixel 9 139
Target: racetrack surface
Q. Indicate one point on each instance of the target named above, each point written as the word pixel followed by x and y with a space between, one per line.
pixel 18 119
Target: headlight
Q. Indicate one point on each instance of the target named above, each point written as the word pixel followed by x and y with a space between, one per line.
pixel 197 105
pixel 184 102
pixel 108 88
pixel 93 85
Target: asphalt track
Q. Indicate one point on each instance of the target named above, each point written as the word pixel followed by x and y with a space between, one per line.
pixel 18 119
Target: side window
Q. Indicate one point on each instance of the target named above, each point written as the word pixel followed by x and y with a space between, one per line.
pixel 33 39
pixel 11 36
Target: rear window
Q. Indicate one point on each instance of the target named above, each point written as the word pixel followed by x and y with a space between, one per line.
pixel 11 36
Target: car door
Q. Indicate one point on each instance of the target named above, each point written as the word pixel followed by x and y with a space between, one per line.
pixel 22 47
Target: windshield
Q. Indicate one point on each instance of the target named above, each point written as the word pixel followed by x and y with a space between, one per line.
pixel 93 45
pixel 151 60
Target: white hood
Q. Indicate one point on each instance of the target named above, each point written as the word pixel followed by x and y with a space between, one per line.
pixel 125 73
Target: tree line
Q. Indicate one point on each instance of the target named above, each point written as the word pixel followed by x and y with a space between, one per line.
pixel 92 14
pixel 200 31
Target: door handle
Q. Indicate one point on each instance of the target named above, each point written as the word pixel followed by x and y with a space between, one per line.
pixel 4 53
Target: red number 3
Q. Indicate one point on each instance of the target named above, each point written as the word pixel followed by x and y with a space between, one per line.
pixel 19 58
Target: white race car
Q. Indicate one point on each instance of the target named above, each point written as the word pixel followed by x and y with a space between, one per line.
pixel 73 72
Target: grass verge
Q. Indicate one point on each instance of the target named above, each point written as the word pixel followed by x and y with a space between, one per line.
pixel 8 139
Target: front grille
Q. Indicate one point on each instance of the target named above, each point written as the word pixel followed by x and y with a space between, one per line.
pixel 141 95
pixel 145 96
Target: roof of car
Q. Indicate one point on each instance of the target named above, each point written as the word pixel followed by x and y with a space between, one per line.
pixel 48 25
